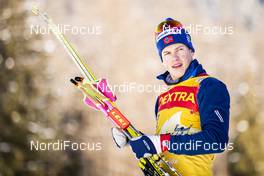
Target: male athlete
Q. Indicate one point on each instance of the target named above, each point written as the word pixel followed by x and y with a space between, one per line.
pixel 192 115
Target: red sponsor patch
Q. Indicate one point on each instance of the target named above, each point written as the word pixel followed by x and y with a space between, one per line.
pixel 168 39
pixel 165 142
pixel 179 96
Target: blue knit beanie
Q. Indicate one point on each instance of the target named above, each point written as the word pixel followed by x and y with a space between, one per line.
pixel 169 33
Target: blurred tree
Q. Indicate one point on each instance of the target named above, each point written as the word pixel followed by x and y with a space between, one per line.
pixel 247 156
pixel 25 113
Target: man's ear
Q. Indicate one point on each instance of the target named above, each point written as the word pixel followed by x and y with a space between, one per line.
pixel 192 53
pixel 163 64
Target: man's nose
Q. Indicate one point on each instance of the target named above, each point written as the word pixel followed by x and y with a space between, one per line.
pixel 175 56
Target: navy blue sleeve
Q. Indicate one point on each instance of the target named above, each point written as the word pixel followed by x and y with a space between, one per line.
pixel 214 104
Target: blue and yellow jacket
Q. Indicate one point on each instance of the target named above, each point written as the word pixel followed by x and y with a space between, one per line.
pixel 195 112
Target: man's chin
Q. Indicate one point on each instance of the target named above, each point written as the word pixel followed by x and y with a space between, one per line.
pixel 176 75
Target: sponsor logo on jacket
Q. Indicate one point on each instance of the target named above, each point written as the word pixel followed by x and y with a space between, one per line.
pixel 181 96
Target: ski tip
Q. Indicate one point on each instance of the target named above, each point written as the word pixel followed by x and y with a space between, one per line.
pixel 35 10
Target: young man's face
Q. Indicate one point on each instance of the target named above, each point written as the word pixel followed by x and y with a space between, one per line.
pixel 176 59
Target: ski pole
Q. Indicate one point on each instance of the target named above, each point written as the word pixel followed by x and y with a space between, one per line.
pixel 69 48
pixel 103 103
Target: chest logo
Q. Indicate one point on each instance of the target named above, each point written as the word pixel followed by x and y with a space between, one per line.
pixel 179 96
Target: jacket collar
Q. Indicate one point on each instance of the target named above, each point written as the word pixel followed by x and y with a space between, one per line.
pixel 194 69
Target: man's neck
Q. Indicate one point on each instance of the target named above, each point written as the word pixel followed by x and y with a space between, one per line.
pixel 171 80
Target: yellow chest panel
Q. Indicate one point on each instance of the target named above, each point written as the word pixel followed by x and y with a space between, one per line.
pixel 178 111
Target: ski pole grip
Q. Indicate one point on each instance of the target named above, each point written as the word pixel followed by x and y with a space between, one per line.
pixel 119 119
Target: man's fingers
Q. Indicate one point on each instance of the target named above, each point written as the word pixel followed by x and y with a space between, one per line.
pixel 119 137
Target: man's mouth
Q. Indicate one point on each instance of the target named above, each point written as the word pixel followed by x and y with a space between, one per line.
pixel 176 65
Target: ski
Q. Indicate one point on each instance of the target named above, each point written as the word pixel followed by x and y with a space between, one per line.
pixel 151 166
